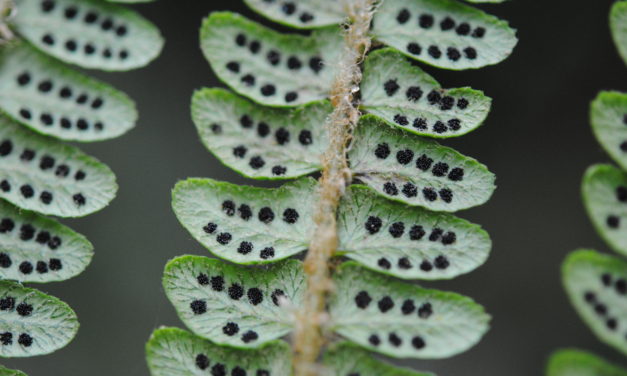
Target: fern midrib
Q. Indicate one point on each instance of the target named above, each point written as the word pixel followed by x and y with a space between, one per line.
pixel 310 331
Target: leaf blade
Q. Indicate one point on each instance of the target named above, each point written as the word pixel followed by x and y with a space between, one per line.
pixel 618 26
pixel 306 14
pixel 608 116
pixel 573 362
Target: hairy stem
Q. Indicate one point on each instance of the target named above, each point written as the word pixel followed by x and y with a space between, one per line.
pixel 310 334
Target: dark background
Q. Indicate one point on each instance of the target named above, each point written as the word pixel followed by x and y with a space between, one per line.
pixel 537 140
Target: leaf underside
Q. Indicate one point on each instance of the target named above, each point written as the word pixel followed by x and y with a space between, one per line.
pixel 443 33
pixel 54 100
pixel 34 248
pixel 401 320
pixel 246 224
pixel 417 171
pixel 597 287
pixel 303 14
pixel 40 174
pixel 618 25
pixel 605 198
pixel 406 97
pixel 572 362
pixel 33 323
pixel 175 352
pixel 408 242
pixel 261 142
pixel 608 116
pixel 89 33
pixel 234 305
pixel 10 372
pixel 268 67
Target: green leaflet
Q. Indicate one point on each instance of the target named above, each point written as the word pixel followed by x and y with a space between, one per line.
pixel 10 372
pixel 33 323
pixel 261 142
pixel 346 359
pixel 604 190
pixel 246 224
pixel 618 25
pixel 408 242
pixel 40 174
pixel 34 248
pixel 175 352
pixel 401 320
pixel 270 68
pixel 55 100
pixel 234 305
pixel 89 33
pixel 303 14
pixel 444 33
pixel 405 96
pixel 572 362
pixel 417 171
pixel 597 286
pixel 608 116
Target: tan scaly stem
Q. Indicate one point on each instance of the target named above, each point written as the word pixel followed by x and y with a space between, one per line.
pixel 310 334
pixel 7 10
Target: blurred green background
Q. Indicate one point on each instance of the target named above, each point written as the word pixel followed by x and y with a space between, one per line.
pixel 537 140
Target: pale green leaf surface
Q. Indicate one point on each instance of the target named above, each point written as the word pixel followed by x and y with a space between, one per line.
pixel 33 323
pixel 572 362
pixel 176 352
pixel 10 372
pixel 246 224
pixel 405 96
pixel 89 33
pixel 597 287
pixel 55 100
pixel 270 68
pixel 402 320
pixel 347 359
pixel 608 116
pixel 604 190
pixel 417 171
pixel 34 248
pixel 40 174
pixel 303 14
pixel 618 25
pixel 261 142
pixel 470 39
pixel 234 305
pixel 408 242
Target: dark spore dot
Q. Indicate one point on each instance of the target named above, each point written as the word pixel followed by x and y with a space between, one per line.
pixel 71 45
pixel 294 63
pixel 404 156
pixel 46 119
pixel 434 97
pixel 210 228
pixel 420 123
pixel 374 340
pixel 256 162
pixel 250 336
pixel 441 262
pixel 621 194
pixel 416 232
pixel 263 129
pixel 613 221
pixel 373 224
pixel 27 191
pixel 97 103
pixel 6 225
pixel 282 136
pixel 90 18
pixel 429 194
pixel 449 238
pixel 447 24
pixel 23 79
pixel 606 279
pixel 46 197
pixel 236 291
pixel 390 87
pixel 240 40
pixel 79 199
pixel 41 267
pixel 6 338
pixel 463 29
pixel 305 137
pixel 24 309
pixel 254 46
pixel 47 6
pixel 434 52
pixel 395 340
pixel 425 311
pixel 274 57
pixel 385 304
pixel 245 121
pixel 478 32
pixel 216 128
pixel 249 80
pixel 202 361
pixel 121 31
pixel 26 267
pixel 228 207
pixel 6 147
pixel 439 127
pixel 408 307
pixel 65 92
pixel 435 235
pixel 230 329
pixel 244 212
pixel 363 299
pixel 66 123
pixel 623 146
pixel 255 296
pixel 82 124
pixel 470 53
pixel 453 53
pixel 425 21
pixel 290 215
pixel 401 120
pixel 26 114
pixel 266 215
pixel 233 66
pixel 440 169
pixel 382 151
pixel 27 155
pixel 404 263
pixel 70 12
pixel 107 24
pixel 278 170
pixel 288 8
pixel 418 342
pixel 276 295
pixel 48 39
pixel 316 64
pixel 224 238
pixel 447 103
pixel 107 53
pixel 462 103
pixel 45 86
pixel 245 248
pixel 5 260
pixel 268 90
pixel 384 263
pixel 390 189
pixel 240 151
pixel 27 232
pixel 267 253
pixel 403 16
pixel 54 243
pixel 202 279
pixel 306 17
pixel 590 297
pixel 410 190
pixel 263 372
pixel 397 229
pixel 217 283
pixel 47 162
pixel 426 266
pixel 413 93
pixel 454 124
pixel 414 48
pixel 55 264
pixel 7 304
pixel 611 324
pixel 600 309
pixel 218 369
pixel 25 340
